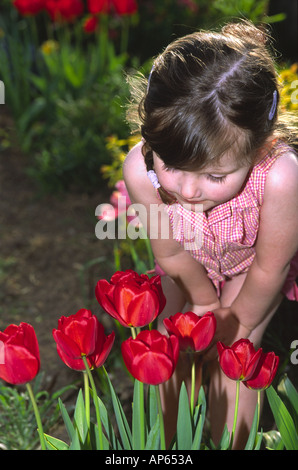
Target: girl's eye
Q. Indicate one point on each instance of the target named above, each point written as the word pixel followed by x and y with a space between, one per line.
pixel 217 179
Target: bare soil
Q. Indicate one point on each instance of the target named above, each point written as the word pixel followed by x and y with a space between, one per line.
pixel 48 253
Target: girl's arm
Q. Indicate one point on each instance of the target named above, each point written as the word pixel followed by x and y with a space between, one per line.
pixel 276 244
pixel 188 274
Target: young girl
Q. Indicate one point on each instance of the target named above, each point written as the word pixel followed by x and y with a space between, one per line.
pixel 216 157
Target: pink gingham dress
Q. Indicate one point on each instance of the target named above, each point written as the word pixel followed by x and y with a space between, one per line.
pixel 223 240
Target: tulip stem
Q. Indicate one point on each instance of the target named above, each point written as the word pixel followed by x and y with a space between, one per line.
pixel 87 398
pixel 236 412
pixel 37 417
pixel 161 421
pixel 133 332
pixel 193 381
pixel 259 408
pixel 100 435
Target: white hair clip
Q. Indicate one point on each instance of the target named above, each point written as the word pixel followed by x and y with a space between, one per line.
pixel 149 78
pixel 273 106
pixel 153 178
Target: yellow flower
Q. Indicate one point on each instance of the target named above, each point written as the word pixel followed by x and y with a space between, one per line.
pixel 118 149
pixel 288 80
pixel 49 46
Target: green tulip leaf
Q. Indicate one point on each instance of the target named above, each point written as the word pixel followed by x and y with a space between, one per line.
pixel 75 444
pixel 123 426
pixel 80 417
pixel 152 407
pixel 290 397
pixel 109 431
pixel 253 432
pixel 153 439
pixel 199 420
pixel 55 444
pixel 283 419
pixel 184 425
pixel 138 417
pixel 67 421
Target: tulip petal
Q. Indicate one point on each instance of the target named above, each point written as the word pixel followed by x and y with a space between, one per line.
pixel 230 364
pixel 20 365
pixel 83 333
pixel 75 364
pixel 203 332
pixel 102 350
pixel 151 357
pixel 30 339
pixel 123 296
pixel 152 368
pixel 264 373
pixel 143 309
pixel 252 366
pixel 68 347
pixel 104 295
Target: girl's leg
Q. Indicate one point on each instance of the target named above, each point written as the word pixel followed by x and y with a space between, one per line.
pixel 223 390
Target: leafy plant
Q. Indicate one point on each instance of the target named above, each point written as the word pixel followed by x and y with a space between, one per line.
pixel 250 9
pixel 65 91
pixel 284 406
pixel 17 422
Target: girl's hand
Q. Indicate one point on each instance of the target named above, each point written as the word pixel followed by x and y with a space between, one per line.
pixel 201 309
pixel 228 330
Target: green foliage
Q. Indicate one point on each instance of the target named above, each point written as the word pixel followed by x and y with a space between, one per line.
pixel 74 144
pixel 66 95
pixel 284 407
pixel 144 432
pixel 249 9
pixel 17 422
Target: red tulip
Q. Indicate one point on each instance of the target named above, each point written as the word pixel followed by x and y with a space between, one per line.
pixel 66 10
pixel 82 335
pixel 20 354
pixel 121 7
pixel 98 6
pixel 90 24
pixel 193 332
pixel 130 298
pixel 151 357
pixel 125 7
pixel 240 361
pixel 29 7
pixel 264 373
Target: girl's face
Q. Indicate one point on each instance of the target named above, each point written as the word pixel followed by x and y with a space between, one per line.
pixel 210 187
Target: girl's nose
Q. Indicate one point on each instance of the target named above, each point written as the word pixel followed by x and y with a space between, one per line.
pixel 190 188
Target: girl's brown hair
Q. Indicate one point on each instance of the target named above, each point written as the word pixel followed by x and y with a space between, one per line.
pixel 210 93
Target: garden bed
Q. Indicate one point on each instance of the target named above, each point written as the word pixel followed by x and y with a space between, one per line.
pixel 46 245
